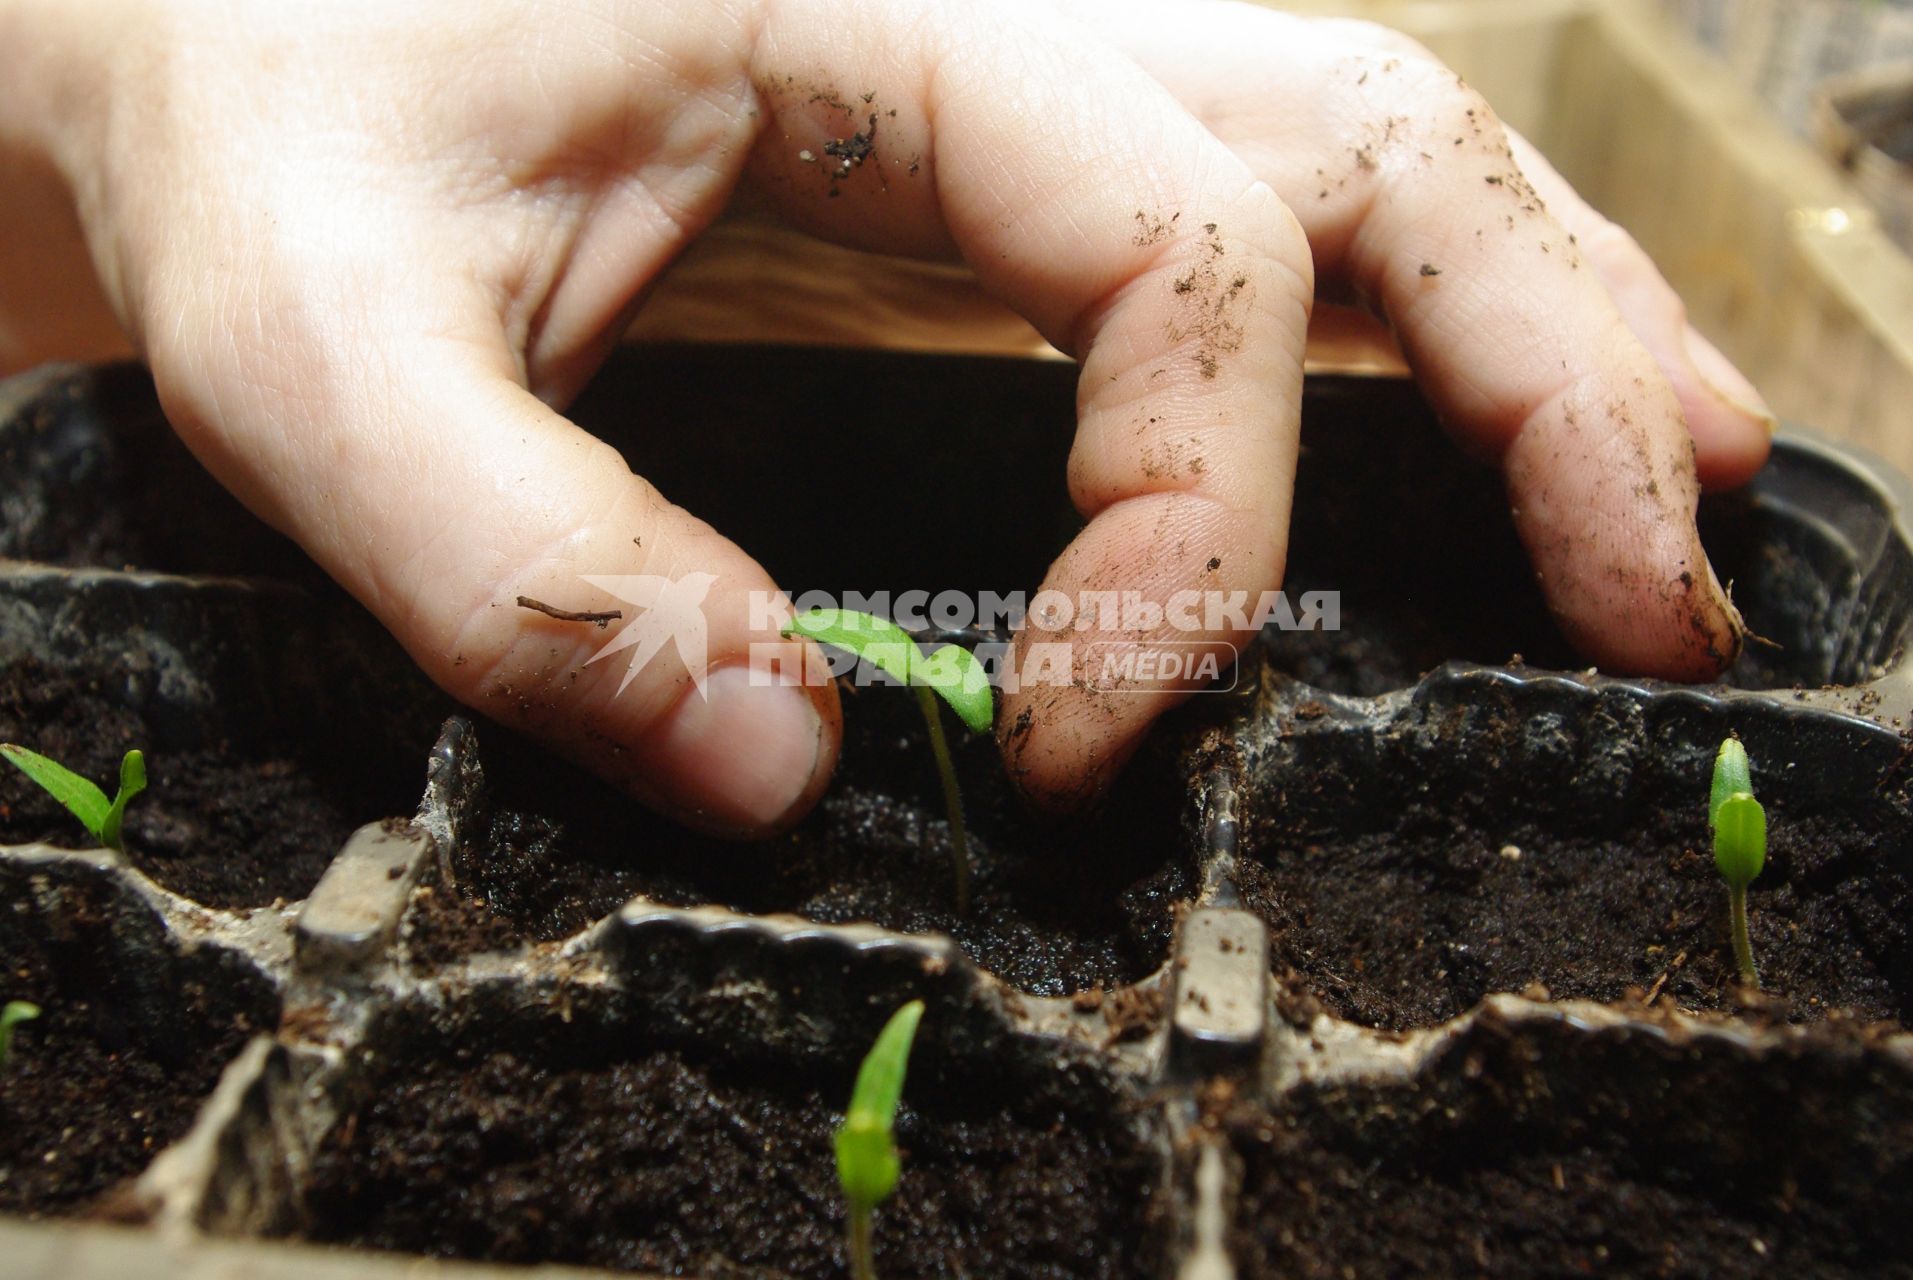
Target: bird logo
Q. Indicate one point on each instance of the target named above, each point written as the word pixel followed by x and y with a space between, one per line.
pixel 672 612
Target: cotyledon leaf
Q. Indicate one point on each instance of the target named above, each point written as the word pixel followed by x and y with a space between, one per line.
pixel 1740 839
pixel 952 671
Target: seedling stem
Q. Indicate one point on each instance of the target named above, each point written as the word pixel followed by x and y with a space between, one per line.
pixel 1743 945
pixel 951 673
pixel 952 797
pixel 863 1260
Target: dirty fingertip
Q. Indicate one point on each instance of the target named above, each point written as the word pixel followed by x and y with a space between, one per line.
pixel 1718 630
pixel 1060 753
pixel 1687 629
pixel 1733 628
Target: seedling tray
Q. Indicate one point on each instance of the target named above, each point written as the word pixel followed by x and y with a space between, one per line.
pixel 1406 955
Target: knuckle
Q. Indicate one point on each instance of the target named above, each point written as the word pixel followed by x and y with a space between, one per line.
pixel 1610 238
pixel 1459 103
pixel 1281 238
pixel 1616 251
pixel 1421 102
pixel 1626 267
pixel 1288 242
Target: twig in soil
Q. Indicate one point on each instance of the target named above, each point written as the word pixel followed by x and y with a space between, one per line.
pixel 1654 991
pixel 602 617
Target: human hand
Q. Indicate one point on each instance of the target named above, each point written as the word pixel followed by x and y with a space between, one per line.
pixel 1543 336
pixel 370 252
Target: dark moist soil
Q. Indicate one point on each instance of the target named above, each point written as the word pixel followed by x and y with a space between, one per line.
pixel 108 1075
pixel 544 1151
pixel 1412 925
pixel 1053 909
pixel 1573 1154
pixel 222 825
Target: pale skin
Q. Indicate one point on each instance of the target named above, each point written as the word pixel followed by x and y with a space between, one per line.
pixel 371 251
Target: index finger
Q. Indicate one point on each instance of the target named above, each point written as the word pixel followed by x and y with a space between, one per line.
pixel 1092 202
pixel 1411 193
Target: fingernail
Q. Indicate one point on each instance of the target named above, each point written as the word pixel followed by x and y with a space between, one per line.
pixel 1727 382
pixel 1735 623
pixel 741 756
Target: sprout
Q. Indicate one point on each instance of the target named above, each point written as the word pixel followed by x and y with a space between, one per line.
pixel 1740 843
pixel 82 799
pixel 17 1011
pixel 951 671
pixel 867 1162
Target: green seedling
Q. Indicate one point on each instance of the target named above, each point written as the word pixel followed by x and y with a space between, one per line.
pixel 951 672
pixel 82 799
pixel 867 1161
pixel 1740 843
pixel 16 1012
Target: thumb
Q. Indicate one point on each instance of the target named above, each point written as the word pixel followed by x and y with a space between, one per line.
pixel 438 490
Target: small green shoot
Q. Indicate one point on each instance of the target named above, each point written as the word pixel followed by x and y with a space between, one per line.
pixel 17 1011
pixel 952 672
pixel 867 1162
pixel 82 799
pixel 1740 843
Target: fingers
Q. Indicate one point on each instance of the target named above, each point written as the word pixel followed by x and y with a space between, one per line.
pixel 387 425
pixel 381 253
pixel 358 368
pixel 1411 195
pixel 1522 351
pixel 438 490
pixel 1730 423
pixel 1089 200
